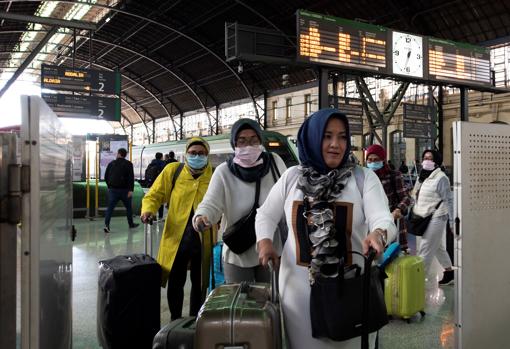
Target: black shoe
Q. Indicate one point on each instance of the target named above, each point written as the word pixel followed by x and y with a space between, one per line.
pixel 447 279
pixel 134 225
pixel 106 229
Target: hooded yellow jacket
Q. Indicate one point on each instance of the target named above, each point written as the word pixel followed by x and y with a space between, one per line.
pixel 187 194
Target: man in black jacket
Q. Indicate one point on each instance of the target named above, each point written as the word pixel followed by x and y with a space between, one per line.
pixel 120 178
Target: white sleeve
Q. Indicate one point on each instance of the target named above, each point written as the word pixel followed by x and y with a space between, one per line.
pixel 272 211
pixel 213 204
pixel 376 208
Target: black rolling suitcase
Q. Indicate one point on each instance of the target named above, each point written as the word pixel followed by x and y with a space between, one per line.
pixel 128 300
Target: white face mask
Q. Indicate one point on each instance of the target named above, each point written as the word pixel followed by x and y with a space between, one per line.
pixel 428 165
pixel 248 156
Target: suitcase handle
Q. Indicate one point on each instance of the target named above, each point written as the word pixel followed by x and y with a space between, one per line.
pixel 274 290
pixel 147 238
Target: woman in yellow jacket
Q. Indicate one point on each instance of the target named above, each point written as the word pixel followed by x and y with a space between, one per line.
pixel 181 244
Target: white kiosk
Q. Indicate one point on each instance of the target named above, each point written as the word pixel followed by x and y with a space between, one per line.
pixel 482 245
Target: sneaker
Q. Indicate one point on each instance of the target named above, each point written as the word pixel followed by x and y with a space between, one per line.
pixel 134 225
pixel 447 279
pixel 106 229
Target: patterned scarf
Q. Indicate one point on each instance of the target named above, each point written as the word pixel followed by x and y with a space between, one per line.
pixel 320 190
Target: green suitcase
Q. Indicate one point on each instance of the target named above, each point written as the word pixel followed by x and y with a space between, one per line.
pixel 404 289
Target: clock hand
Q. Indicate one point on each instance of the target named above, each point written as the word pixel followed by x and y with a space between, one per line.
pixel 407 59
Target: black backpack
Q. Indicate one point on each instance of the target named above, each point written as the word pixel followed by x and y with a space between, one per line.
pixel 151 173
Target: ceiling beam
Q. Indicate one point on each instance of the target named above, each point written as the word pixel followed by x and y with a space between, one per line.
pixel 195 41
pixel 28 60
pixel 48 21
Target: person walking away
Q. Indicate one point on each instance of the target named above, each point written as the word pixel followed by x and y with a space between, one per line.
pixel 431 188
pixel 152 172
pixel 171 157
pixel 312 194
pixel 399 198
pixel 403 168
pixel 180 244
pixel 120 179
pixel 231 197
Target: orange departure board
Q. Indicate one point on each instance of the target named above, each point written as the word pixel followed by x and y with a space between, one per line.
pixel 459 63
pixel 340 42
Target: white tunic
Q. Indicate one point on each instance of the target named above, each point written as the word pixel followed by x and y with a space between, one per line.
pixel 230 199
pixel 369 212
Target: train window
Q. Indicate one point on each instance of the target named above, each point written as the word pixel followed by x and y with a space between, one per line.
pixel 283 151
pixel 218 158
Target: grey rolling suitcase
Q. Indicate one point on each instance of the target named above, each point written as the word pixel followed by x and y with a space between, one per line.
pixel 245 315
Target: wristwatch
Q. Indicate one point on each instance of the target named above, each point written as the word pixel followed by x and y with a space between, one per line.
pixel 382 234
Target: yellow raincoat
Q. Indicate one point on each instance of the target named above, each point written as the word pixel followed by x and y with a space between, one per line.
pixel 187 194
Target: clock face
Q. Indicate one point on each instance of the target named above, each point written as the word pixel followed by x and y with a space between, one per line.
pixel 407 54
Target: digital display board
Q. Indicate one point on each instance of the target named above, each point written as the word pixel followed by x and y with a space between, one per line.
pixel 341 42
pixel 350 45
pixel 86 107
pixel 83 80
pixel 459 63
pixel 419 112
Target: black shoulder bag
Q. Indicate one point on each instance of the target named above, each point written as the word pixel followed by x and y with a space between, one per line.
pixel 350 305
pixel 417 225
pixel 240 236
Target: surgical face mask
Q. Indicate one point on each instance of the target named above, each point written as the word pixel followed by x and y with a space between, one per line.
pixel 374 166
pixel 248 156
pixel 428 165
pixel 196 162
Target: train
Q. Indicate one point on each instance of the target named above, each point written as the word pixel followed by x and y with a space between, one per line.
pixel 220 149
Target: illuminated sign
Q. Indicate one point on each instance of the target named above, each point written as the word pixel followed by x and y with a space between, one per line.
pixel 350 45
pixel 86 107
pixel 459 63
pixel 82 80
pixel 341 42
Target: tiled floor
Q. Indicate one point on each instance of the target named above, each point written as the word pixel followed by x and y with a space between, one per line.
pixel 435 330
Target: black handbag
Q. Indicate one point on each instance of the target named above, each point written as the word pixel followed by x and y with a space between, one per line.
pixel 417 225
pixel 240 236
pixel 339 309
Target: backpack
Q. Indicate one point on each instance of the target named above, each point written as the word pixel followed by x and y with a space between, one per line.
pixel 151 173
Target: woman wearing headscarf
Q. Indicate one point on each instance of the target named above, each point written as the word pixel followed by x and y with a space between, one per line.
pixel 398 196
pixel 180 244
pixel 232 192
pixel 431 188
pixel 308 195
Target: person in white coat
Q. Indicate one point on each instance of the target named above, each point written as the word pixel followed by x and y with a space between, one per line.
pixel 432 189
pixel 326 178
pixel 231 195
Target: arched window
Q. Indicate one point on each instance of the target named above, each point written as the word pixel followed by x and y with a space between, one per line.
pixel 366 140
pixel 421 146
pixel 397 148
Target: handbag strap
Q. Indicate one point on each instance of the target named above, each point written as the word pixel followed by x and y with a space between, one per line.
pixel 257 195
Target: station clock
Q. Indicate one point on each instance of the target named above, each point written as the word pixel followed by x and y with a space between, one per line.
pixel 407 54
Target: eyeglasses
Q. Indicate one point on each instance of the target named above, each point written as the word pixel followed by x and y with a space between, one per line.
pixel 243 141
pixel 195 153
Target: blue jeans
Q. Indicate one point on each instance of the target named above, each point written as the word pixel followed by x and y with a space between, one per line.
pixel 114 195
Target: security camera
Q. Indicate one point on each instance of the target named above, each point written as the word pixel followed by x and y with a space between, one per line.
pixel 240 68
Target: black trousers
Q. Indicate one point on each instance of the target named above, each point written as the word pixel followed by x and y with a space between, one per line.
pixel 189 252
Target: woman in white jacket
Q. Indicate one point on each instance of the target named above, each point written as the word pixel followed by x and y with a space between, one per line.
pixel 325 179
pixel 432 189
pixel 231 195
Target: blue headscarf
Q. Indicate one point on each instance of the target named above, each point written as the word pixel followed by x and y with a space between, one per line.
pixel 310 137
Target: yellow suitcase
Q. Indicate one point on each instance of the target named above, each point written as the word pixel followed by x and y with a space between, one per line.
pixel 404 289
